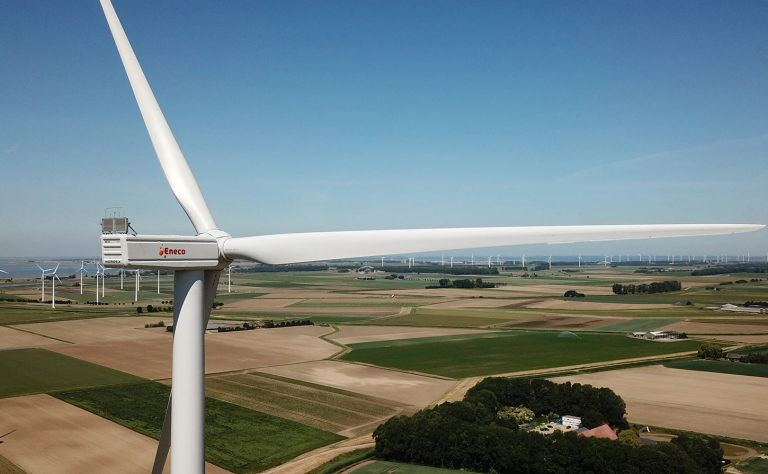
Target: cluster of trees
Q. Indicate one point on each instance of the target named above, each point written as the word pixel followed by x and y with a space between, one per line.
pixel 59 302
pixel 762 304
pixel 466 283
pixel 755 358
pixel 726 269
pixel 284 324
pixel 655 287
pixel 19 300
pixel 160 324
pixel 573 294
pixel 154 309
pixel 481 434
pixel 710 351
pixel 394 276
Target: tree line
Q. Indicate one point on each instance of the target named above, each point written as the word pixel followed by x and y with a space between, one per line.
pixel 472 435
pixel 655 287
pixel 282 268
pixel 466 283
pixel 736 268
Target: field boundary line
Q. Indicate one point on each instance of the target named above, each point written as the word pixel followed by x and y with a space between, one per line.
pixel 41 335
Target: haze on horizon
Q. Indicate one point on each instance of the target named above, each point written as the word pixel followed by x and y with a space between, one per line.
pixel 299 116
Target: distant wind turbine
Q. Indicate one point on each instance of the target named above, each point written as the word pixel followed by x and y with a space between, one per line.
pixel 82 270
pixel 54 277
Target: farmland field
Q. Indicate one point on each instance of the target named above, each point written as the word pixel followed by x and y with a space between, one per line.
pixel 27 371
pixel 236 438
pixel 754 465
pixel 720 367
pixel 509 351
pixel 314 405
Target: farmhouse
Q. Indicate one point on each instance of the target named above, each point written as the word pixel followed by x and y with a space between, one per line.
pixel 733 357
pixel 603 431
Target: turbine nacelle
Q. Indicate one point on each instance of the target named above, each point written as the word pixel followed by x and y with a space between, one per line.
pixel 164 252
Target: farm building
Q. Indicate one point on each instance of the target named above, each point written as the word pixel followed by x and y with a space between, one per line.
pixel 733 357
pixel 570 420
pixel 603 431
pixel 661 335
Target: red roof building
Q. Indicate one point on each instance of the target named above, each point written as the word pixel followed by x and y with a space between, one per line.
pixel 603 431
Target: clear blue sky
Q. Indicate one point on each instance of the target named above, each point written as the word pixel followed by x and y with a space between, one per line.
pixel 311 116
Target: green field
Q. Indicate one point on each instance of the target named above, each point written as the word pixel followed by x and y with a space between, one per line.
pixel 27 371
pixel 386 467
pixel 508 351
pixel 721 367
pixel 236 438
pixel 751 466
pixel 640 324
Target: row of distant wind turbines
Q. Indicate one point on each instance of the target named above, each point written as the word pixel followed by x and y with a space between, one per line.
pixel 744 258
pixel 100 273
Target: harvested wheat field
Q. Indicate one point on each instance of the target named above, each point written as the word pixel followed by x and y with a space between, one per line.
pixel 411 389
pixel 224 352
pixel 11 338
pixel 84 331
pixel 357 334
pixel 704 402
pixel 558 290
pixel 54 437
pixel 259 304
pixel 341 412
pixel 564 322
pixel 587 306
pixel 692 327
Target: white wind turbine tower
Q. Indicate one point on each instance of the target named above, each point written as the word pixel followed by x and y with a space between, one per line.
pixel 158 282
pixel 54 277
pixel 198 261
pixel 498 259
pixel 103 281
pixel 579 260
pixel 97 283
pixel 137 272
pixel 550 261
pixel 82 270
pixel 489 261
pixel 121 278
pixel 523 261
pixel 229 277
pixel 452 261
pixel 42 279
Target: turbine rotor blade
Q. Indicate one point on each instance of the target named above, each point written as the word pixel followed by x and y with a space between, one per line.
pixel 175 167
pixel 314 246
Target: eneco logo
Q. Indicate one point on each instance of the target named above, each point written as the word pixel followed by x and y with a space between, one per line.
pixel 165 251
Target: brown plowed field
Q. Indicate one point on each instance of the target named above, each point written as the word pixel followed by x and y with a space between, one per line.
pixel 54 437
pixel 84 331
pixel 411 389
pixel 704 402
pixel 224 352
pixel 357 334
pixel 563 322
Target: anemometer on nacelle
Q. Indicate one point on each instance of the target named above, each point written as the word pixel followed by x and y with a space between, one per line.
pixel 119 249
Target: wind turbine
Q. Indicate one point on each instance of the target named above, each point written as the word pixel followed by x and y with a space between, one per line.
pixel 158 282
pixel 229 278
pixel 198 260
pixel 579 260
pixel 489 261
pixel 82 270
pixel 452 261
pixel 42 279
pixel 121 278
pixel 550 261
